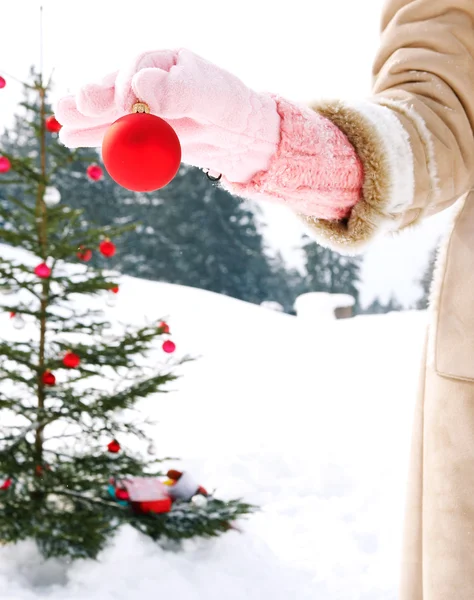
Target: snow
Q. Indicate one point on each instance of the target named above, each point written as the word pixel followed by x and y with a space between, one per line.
pixel 311 422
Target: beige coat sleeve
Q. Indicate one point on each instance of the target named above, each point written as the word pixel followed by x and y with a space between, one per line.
pixel 415 134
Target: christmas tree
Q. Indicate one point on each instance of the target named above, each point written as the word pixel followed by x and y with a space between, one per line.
pixel 72 464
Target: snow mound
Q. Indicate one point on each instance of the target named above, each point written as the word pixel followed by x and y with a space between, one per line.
pixel 310 422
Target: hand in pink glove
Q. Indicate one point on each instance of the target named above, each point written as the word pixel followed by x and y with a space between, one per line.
pixel 264 147
pixel 222 125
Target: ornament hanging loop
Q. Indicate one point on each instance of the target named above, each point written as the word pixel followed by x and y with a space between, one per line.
pixel 140 107
pixel 212 178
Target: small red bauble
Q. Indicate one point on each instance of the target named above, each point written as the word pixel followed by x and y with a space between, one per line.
pixel 94 172
pixel 71 360
pixel 48 378
pixel 107 248
pixel 12 315
pixel 169 347
pixel 121 494
pixel 5 164
pixel 6 484
pixel 115 290
pixel 113 447
pixel 3 83
pixel 43 271
pixel 141 152
pixel 84 254
pixel 53 125
pixel 165 328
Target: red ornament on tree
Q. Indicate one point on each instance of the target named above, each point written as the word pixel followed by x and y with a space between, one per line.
pixel 141 152
pixel 115 290
pixel 107 248
pixel 113 447
pixel 71 360
pixel 3 83
pixel 43 271
pixel 94 172
pixel 84 254
pixel 5 164
pixel 48 378
pixel 169 347
pixel 12 315
pixel 53 125
pixel 6 484
pixel 164 327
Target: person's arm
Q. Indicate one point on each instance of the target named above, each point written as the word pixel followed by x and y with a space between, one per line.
pixel 415 135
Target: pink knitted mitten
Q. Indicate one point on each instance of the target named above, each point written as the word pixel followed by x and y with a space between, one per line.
pixel 263 146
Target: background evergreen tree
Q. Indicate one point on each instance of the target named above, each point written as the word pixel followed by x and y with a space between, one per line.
pixel 425 281
pixel 70 388
pixel 328 271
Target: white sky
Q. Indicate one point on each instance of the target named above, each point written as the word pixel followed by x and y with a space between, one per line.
pixel 301 49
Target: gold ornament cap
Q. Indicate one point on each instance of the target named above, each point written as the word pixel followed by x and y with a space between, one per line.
pixel 140 107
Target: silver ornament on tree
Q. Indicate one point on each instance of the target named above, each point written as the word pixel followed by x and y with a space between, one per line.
pixel 52 196
pixel 199 501
pixel 111 299
pixel 17 321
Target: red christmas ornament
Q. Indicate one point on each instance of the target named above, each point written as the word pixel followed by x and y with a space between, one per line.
pixel 5 164
pixel 12 315
pixel 169 347
pixel 115 290
pixel 113 447
pixel 42 271
pixel 71 360
pixel 164 327
pixel 6 484
pixel 121 494
pixel 84 254
pixel 94 172
pixel 107 248
pixel 53 125
pixel 48 378
pixel 140 151
pixel 3 83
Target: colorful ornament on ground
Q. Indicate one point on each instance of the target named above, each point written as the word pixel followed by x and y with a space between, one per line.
pixel 94 172
pixel 169 347
pixel 84 254
pixel 113 447
pixel 53 125
pixel 140 151
pixel 107 248
pixel 164 327
pixel 42 271
pixel 71 360
pixel 51 196
pixel 48 378
pixel 3 83
pixel 182 486
pixel 5 484
pixel 5 164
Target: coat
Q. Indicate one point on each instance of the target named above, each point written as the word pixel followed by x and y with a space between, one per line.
pixel 415 138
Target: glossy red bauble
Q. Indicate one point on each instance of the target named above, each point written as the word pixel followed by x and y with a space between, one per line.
pixel 94 172
pixel 115 290
pixel 107 248
pixel 84 254
pixel 71 360
pixel 42 271
pixel 169 347
pixel 141 152
pixel 3 83
pixel 113 447
pixel 48 378
pixel 53 125
pixel 6 484
pixel 5 164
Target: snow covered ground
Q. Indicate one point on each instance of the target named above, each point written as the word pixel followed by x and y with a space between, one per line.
pixel 311 423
